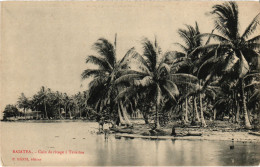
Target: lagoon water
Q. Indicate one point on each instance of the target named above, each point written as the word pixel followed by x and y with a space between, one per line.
pixel 49 141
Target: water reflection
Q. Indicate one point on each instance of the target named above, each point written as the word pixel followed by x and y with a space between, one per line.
pixel 117 152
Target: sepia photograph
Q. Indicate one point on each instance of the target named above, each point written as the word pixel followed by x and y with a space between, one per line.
pixel 130 83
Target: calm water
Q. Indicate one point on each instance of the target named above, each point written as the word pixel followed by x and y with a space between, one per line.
pixel 81 136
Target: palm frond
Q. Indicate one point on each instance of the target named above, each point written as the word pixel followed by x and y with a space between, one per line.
pixel 227 19
pixel 183 77
pixel 251 27
pixel 163 67
pixel 126 93
pixel 220 26
pixel 214 36
pixel 150 53
pixel 253 46
pixel 212 47
pixel 101 62
pixel 185 36
pixel 172 87
pixel 173 56
pixel 106 49
pixel 143 63
pixel 92 72
pixel 97 82
pixel 185 49
pixel 125 72
pixel 256 75
pixel 255 97
pixel 145 81
pixel 125 60
pixel 253 84
pixel 128 78
pixel 254 40
pixel 170 94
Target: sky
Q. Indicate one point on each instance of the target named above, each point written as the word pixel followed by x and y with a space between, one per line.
pixel 46 43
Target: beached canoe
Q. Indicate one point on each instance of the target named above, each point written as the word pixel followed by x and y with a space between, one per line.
pixel 254 133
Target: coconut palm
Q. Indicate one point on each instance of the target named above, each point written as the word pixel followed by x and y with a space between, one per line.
pixel 102 89
pixel 153 76
pixel 43 96
pixel 238 51
pixel 190 63
pixel 23 102
pixel 190 56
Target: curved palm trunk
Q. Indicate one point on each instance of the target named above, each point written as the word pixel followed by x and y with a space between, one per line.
pixel 196 109
pixel 127 121
pixel 201 112
pixel 247 122
pixel 121 119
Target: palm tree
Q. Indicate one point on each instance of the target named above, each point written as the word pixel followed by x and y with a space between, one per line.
pixel 102 89
pixel 43 95
pixel 190 56
pixel 238 52
pixel 154 76
pixel 66 103
pixel 23 103
pixel 58 97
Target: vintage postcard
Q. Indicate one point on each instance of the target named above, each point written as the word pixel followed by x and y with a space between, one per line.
pixel 130 83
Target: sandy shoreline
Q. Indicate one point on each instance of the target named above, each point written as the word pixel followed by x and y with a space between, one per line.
pixel 236 137
pixel 219 131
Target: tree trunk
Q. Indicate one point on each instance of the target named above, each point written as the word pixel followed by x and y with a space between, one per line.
pixel 215 114
pixel 237 113
pixel 46 115
pixel 247 123
pixel 79 112
pixel 186 110
pixel 196 109
pixel 258 119
pixel 145 116
pixel 237 108
pixel 201 112
pixel 65 108
pixel 69 113
pixel 24 113
pixel 121 119
pixel 59 112
pixel 157 118
pixel 125 114
pixel 193 113
pixel 158 99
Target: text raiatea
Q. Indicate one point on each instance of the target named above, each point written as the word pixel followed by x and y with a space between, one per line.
pixel 22 151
